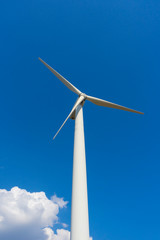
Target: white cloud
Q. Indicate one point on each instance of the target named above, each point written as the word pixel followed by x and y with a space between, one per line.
pixel 30 216
pixel 61 203
pixel 61 234
pixel 25 215
pixel 64 225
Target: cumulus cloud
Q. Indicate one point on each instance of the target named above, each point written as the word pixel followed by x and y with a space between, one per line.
pixel 25 215
pixel 61 234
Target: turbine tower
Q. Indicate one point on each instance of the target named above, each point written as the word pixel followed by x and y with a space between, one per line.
pixel 79 209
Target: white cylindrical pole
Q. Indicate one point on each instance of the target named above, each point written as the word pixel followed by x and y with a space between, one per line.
pixel 79 212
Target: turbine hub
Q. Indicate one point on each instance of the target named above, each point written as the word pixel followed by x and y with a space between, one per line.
pixel 84 95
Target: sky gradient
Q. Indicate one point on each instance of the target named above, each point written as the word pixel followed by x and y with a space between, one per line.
pixel 108 49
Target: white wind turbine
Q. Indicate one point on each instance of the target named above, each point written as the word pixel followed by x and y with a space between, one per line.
pixel 79 210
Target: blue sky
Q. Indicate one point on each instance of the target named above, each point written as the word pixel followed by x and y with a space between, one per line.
pixel 108 49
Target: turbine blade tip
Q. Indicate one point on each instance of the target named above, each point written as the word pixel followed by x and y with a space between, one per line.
pixel 142 113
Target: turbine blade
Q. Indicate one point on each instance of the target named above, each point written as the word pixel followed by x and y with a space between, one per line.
pixel 104 103
pixel 79 101
pixel 62 79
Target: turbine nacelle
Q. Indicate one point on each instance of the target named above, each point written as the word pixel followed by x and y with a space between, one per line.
pixel 73 115
pixel 82 97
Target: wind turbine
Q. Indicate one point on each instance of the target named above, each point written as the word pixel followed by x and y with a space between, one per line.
pixel 79 209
